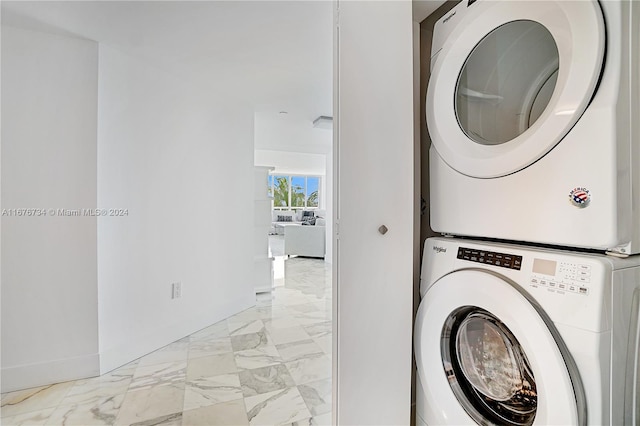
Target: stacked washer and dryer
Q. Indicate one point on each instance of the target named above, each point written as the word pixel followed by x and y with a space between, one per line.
pixel 531 300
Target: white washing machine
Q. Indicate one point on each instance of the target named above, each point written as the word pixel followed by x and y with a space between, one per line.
pixel 513 335
pixel 533 108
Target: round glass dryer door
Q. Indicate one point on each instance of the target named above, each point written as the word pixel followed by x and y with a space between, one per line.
pixel 488 370
pixel 506 82
pixel 511 81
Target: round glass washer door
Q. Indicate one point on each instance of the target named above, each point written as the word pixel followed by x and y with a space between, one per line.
pixel 511 81
pixel 494 380
pixel 486 353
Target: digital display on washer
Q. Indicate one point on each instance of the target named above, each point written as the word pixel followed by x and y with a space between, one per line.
pixel 543 266
pixel 504 260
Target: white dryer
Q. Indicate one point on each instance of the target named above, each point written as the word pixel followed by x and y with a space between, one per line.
pixel 533 108
pixel 513 335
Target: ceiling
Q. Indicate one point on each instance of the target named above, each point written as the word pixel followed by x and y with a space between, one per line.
pixel 277 55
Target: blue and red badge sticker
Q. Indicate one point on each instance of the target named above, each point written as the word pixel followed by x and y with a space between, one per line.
pixel 580 197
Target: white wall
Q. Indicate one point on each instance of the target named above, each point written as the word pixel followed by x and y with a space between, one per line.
pixel 295 163
pixel 49 275
pixel 86 127
pixel 181 162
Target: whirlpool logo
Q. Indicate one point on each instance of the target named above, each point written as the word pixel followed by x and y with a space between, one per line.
pixel 439 249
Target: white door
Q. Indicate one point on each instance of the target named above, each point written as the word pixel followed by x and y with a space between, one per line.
pixel 485 353
pixel 511 80
pixel 374 175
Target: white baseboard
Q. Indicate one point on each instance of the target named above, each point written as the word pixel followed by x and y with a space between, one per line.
pixel 126 352
pixel 49 372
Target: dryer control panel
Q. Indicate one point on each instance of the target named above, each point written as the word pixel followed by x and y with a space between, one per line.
pixel 561 276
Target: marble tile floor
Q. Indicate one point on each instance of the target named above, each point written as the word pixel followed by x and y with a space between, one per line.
pixel 268 365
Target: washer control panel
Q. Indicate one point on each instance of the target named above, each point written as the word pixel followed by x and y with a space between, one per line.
pixel 561 276
pixel 504 260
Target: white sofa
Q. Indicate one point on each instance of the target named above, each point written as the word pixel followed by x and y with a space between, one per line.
pixel 304 240
pixel 278 225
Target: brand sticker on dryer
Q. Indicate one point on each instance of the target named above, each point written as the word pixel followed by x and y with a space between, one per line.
pixel 439 249
pixel 448 17
pixel 580 197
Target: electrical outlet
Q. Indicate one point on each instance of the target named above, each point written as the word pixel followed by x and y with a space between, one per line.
pixel 176 290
